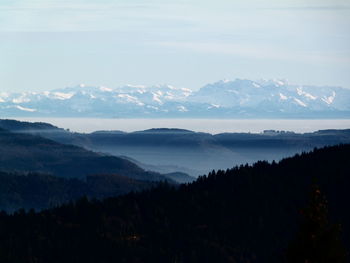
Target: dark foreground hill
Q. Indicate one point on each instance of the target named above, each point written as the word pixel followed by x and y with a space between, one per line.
pixel 245 214
pixel 40 191
pixel 21 152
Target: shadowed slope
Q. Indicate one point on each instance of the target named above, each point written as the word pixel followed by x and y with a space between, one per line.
pixel 245 214
pixel 24 152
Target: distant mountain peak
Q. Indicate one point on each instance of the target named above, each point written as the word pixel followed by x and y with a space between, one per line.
pixel 238 98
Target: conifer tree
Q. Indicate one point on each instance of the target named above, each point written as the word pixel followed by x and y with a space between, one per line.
pixel 318 241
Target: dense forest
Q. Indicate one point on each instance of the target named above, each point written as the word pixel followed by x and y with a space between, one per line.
pixel 40 191
pixel 245 214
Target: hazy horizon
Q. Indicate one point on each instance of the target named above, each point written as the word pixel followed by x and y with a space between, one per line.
pixel 213 126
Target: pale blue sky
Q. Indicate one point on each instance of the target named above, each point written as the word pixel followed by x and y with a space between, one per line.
pixel 53 44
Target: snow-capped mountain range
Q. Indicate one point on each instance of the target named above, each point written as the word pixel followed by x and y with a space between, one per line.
pixel 224 99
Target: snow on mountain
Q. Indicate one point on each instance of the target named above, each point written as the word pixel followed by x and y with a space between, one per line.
pixel 62 96
pixel 329 100
pixel 300 102
pixel 227 99
pixel 127 98
pixel 280 95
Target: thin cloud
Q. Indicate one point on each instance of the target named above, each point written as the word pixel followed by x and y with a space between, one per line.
pixel 310 8
pixel 259 52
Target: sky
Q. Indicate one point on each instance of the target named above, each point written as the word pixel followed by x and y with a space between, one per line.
pixel 52 44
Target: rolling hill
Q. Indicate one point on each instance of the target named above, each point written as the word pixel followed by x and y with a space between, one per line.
pixel 21 152
pixel 193 153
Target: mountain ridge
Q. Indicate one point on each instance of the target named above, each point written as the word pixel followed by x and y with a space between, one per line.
pixel 191 152
pixel 240 98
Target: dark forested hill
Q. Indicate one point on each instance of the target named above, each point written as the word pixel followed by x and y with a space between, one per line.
pixel 39 191
pixel 245 214
pixel 30 153
pixel 195 153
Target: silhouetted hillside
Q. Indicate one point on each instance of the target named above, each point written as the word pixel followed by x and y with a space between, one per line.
pixel 45 130
pixel 30 153
pixel 40 191
pixel 13 125
pixel 245 214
